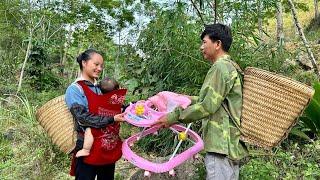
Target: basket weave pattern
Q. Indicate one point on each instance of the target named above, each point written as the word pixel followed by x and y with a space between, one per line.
pixel 57 120
pixel 271 105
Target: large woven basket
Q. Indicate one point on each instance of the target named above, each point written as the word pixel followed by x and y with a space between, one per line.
pixel 271 106
pixel 57 120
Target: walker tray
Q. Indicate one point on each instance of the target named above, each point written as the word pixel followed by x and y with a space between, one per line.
pixel 147 116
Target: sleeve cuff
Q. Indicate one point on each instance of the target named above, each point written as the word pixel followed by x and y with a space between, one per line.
pixel 194 99
pixel 173 117
pixel 112 120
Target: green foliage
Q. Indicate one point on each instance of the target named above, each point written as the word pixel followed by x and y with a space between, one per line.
pixel 314 25
pixel 8 75
pixel 300 131
pixel 311 115
pixel 298 5
pixel 64 28
pixel 293 161
pixel 161 144
pixel 26 151
pixel 39 72
pixel 165 64
pixel 201 172
pixel 257 169
pixel 264 56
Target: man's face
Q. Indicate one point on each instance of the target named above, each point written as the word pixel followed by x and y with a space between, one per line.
pixel 209 48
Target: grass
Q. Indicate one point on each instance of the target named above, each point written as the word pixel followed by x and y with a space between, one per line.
pixel 26 151
pixel 291 160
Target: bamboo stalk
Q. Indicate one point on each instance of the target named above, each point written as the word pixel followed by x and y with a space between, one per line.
pixel 306 44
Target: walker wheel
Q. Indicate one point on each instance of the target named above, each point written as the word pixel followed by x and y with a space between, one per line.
pixel 172 173
pixel 147 174
pixel 196 156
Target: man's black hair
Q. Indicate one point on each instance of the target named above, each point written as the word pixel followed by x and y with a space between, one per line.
pixel 219 32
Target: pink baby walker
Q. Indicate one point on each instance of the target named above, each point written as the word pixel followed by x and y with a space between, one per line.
pixel 144 114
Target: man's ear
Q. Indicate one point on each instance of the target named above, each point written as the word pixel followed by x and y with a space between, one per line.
pixel 219 44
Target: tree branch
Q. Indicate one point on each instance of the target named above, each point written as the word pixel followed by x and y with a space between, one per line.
pixel 38 24
pixel 198 11
pixel 55 32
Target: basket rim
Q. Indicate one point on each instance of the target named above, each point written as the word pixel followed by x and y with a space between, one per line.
pixel 48 104
pixel 306 88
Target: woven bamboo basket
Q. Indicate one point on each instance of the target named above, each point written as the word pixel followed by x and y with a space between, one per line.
pixel 57 120
pixel 271 106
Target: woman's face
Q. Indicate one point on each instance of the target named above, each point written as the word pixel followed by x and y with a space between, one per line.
pixel 93 67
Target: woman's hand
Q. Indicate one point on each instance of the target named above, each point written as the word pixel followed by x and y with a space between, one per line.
pixel 119 117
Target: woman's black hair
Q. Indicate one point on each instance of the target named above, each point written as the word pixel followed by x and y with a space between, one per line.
pixel 85 56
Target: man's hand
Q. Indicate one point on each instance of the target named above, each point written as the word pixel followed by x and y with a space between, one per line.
pixel 163 121
pixel 119 117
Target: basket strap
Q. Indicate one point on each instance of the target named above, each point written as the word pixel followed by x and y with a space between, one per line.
pixel 233 120
pixel 224 105
pixel 237 67
pixel 239 70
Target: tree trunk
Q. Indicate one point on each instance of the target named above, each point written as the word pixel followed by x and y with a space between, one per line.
pixel 316 10
pixel 65 50
pixel 280 35
pixel 25 60
pixel 260 20
pixel 116 67
pixel 215 15
pixel 296 31
pixel 311 56
pixel 32 29
pixel 77 71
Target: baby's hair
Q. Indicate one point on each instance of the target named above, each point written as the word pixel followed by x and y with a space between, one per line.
pixel 108 84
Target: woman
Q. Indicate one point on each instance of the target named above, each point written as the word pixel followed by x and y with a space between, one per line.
pixel 89 109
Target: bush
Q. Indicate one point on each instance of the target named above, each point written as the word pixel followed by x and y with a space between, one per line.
pixel 39 70
pixel 291 161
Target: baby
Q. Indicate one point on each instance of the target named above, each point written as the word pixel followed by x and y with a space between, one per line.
pixel 106 85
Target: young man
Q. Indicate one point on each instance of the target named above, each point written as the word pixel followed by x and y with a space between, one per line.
pixel 221 86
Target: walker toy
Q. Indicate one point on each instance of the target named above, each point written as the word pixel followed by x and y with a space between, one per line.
pixel 142 114
pixel 145 114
